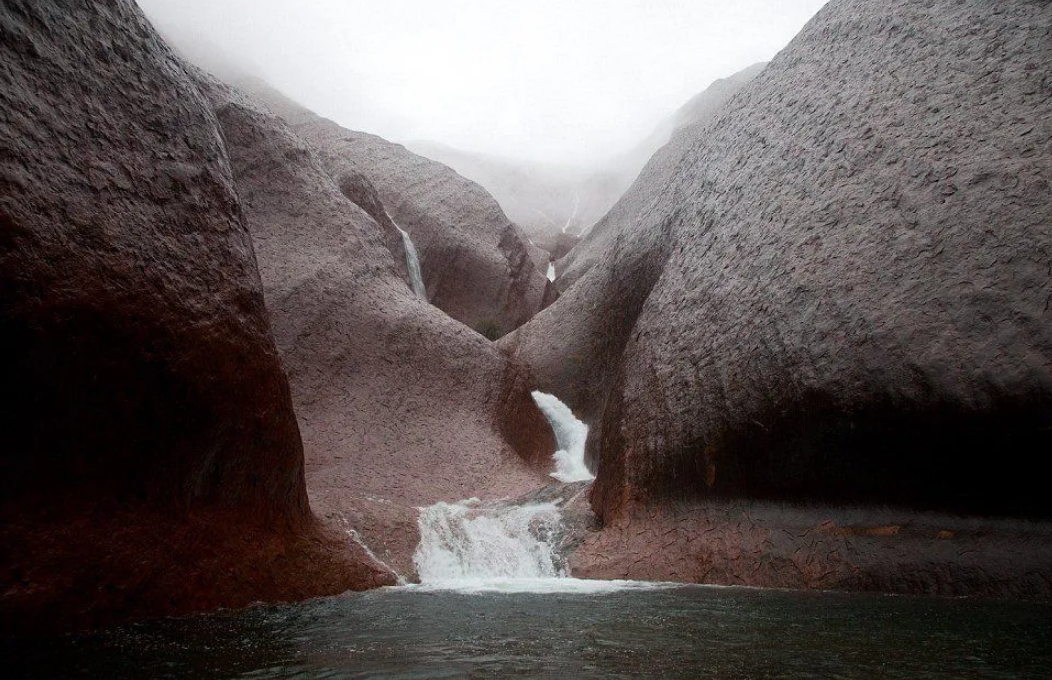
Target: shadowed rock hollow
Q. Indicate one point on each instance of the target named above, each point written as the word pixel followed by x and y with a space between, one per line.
pixel 476 264
pixel 399 405
pixel 150 461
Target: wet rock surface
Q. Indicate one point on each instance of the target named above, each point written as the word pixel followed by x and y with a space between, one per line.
pixel 476 264
pixel 838 292
pixel 150 461
pixel 575 345
pixel 856 301
pixel 823 547
pixel 399 405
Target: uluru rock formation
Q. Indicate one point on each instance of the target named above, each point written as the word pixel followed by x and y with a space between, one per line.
pixel 574 346
pixel 813 341
pixel 149 454
pixel 667 144
pixel 399 405
pixel 840 290
pixel 476 263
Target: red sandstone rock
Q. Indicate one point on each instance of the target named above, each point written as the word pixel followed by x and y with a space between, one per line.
pixel 399 405
pixel 476 263
pixel 822 547
pixel 150 461
pixel 575 346
pixel 855 305
pixel 839 289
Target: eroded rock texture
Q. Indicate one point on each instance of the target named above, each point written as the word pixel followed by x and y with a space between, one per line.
pixel 150 461
pixel 753 543
pixel 476 264
pixel 679 132
pixel 856 301
pixel 399 405
pixel 840 291
pixel 575 345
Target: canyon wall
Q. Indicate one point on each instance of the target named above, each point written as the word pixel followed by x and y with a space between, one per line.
pixel 476 264
pixel 855 305
pixel 399 405
pixel 149 455
pixel 575 345
pixel 835 292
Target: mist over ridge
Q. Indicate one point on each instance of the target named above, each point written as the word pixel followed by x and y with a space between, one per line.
pixel 575 84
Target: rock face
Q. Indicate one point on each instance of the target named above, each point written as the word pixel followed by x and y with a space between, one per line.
pixel 668 145
pixel 149 456
pixel 476 264
pixel 770 545
pixel 550 202
pixel 856 302
pixel 839 293
pixel 399 405
pixel 575 345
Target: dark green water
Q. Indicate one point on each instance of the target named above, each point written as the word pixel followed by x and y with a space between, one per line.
pixel 686 632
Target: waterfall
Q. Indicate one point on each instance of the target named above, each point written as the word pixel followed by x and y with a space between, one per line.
pixel 465 541
pixel 471 545
pixel 413 263
pixel 416 278
pixel 570 437
pixel 551 270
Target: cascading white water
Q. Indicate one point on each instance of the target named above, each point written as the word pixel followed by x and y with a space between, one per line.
pixel 551 270
pixel 464 541
pixel 570 436
pixel 470 546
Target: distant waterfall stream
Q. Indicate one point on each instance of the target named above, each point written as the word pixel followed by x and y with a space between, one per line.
pixel 412 261
pixel 474 545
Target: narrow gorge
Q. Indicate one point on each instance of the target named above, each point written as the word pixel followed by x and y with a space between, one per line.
pixel 800 337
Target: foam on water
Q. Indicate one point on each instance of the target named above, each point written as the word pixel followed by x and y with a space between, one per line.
pixel 465 542
pixel 471 547
pixel 540 585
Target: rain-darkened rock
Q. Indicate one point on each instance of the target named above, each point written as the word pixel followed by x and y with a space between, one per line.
pixel 855 306
pixel 150 461
pixel 399 405
pixel 476 263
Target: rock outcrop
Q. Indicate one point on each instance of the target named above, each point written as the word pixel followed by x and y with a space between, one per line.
pixel 399 405
pixel 476 264
pixel 150 461
pixel 855 306
pixel 575 345
pixel 837 291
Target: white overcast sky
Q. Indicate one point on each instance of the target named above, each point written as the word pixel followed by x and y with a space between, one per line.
pixel 564 81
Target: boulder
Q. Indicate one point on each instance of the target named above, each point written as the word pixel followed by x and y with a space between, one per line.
pixel 399 405
pixel 150 460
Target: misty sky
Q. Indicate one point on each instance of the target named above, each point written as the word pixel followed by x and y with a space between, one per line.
pixel 563 81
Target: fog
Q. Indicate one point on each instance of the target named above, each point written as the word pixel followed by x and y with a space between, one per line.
pixel 543 80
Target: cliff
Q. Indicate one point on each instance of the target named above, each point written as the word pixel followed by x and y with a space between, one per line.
pixel 149 455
